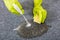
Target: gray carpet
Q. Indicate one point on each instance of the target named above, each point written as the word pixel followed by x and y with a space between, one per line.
pixel 8 21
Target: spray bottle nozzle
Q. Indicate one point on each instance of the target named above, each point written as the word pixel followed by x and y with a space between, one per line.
pixel 18 9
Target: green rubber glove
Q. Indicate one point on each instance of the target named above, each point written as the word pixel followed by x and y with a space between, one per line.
pixel 9 5
pixel 39 13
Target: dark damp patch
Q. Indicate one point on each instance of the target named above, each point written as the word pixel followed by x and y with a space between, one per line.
pixel 33 31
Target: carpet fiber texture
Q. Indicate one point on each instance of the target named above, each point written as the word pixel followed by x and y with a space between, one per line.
pixel 8 21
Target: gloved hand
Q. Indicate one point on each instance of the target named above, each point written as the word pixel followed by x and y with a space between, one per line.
pixel 39 13
pixel 9 5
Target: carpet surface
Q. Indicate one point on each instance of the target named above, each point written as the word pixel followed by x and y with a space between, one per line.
pixel 8 21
